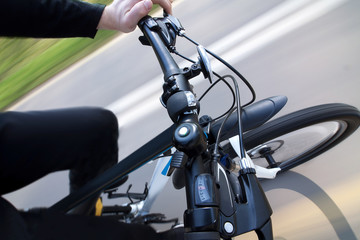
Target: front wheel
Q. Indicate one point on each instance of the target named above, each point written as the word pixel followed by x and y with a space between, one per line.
pixel 295 138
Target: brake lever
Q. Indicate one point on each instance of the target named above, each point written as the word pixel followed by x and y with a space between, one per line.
pixel 167 27
pixel 174 23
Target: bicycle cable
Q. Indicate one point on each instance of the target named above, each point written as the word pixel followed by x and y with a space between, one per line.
pixel 173 50
pixel 238 108
pixel 243 79
pixel 221 78
pixel 237 96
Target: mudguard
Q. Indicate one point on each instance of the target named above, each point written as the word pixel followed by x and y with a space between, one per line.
pixel 252 117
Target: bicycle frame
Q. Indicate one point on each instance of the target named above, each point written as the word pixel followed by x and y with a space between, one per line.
pixel 207 218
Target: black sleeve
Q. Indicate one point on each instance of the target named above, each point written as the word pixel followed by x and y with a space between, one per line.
pixel 49 18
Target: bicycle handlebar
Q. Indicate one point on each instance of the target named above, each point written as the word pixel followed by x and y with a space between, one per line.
pixel 178 97
pixel 152 30
pixel 204 218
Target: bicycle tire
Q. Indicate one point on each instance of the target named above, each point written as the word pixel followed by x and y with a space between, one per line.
pixel 285 131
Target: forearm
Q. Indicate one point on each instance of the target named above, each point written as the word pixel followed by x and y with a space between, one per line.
pixel 49 18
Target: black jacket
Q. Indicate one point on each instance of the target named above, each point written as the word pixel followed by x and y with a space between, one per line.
pixel 49 18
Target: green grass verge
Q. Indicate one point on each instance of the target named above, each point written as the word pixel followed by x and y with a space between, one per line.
pixel 27 63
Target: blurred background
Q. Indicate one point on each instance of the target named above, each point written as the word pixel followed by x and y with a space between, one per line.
pixel 307 50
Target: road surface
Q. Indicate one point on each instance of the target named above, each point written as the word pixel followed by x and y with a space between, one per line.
pixel 306 50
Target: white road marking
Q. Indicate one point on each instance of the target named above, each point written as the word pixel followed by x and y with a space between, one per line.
pixel 269 27
pixel 279 29
pixel 152 87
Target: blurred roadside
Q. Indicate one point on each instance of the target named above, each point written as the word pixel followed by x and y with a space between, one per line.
pixel 26 63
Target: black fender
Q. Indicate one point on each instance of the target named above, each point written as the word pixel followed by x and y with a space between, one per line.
pixel 252 117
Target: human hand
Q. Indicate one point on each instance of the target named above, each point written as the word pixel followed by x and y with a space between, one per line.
pixel 123 15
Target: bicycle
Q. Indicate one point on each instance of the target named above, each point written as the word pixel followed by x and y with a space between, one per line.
pixel 217 160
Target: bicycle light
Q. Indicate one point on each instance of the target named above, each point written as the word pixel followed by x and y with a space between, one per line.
pixel 181 103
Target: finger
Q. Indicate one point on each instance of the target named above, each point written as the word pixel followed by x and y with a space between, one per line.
pixel 165 4
pixel 138 11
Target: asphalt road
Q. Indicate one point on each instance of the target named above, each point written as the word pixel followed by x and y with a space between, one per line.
pixel 306 50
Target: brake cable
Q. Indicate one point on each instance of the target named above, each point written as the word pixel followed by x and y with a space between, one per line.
pixel 173 50
pixel 243 79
